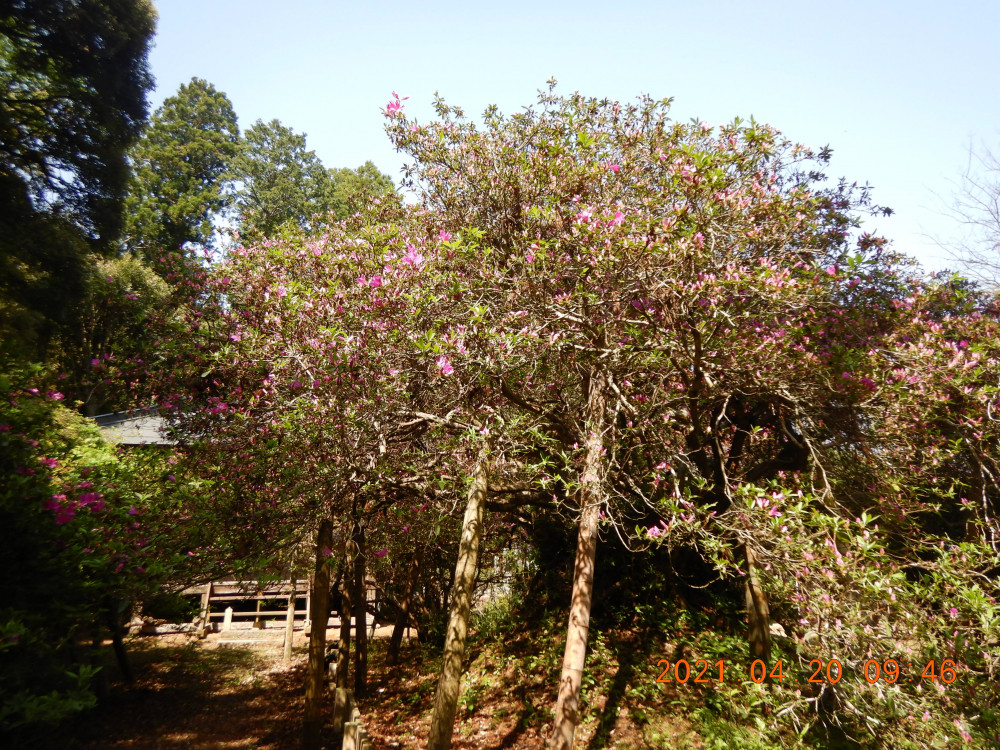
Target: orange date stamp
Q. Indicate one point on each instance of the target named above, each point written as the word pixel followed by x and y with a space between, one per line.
pixel 889 671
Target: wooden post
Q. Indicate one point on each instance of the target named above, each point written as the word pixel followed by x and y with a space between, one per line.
pixel 309 589
pixel 257 622
pixel 290 622
pixel 227 621
pixel 206 604
pixel 341 709
pixel 351 737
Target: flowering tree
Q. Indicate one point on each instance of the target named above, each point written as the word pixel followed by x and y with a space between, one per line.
pixel 680 309
pixel 655 326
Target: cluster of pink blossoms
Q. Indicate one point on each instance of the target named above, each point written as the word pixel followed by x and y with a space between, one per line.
pixel 66 508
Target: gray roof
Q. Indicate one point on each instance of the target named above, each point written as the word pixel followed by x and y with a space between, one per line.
pixel 139 427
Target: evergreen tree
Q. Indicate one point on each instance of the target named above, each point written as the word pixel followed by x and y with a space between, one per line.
pixel 277 180
pixel 179 166
pixel 73 79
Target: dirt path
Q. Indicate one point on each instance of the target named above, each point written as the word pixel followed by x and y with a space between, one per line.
pixel 196 695
pixel 208 694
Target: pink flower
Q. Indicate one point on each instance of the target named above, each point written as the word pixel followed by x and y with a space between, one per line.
pixel 832 270
pixel 50 462
pixel 281 291
pixel 327 552
pixel 530 257
pixel 412 257
pixel 444 366
pixel 396 105
pixel 382 552
pixel 654 532
pixel 698 240
pixel 953 612
pixel 375 281
pixel 55 396
pixel 444 236
pixel 614 168
pixel 133 511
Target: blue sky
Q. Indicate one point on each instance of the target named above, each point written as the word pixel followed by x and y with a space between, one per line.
pixel 898 89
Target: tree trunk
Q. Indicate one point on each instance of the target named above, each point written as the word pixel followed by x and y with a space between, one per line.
pixel 403 617
pixel 344 647
pixel 446 700
pixel 567 714
pixel 312 725
pixel 759 634
pixel 360 601
pixel 114 623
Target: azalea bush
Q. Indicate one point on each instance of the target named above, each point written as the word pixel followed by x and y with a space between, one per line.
pixel 86 537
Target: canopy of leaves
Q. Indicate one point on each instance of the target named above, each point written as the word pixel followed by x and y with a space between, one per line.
pixel 73 78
